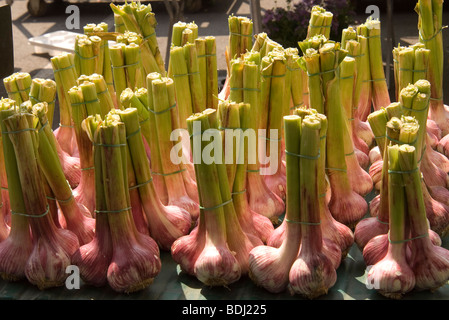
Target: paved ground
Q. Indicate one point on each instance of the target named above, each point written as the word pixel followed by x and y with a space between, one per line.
pixel 212 21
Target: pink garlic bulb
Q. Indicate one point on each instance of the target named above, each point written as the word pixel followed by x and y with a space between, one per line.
pixel 93 258
pixel 53 249
pixel 392 276
pixel 186 249
pixel 65 136
pixel 262 200
pixel 367 229
pixel 362 158
pixel 216 265
pixel 359 179
pixel 270 267
pixel 363 130
pixel 374 154
pixel 346 206
pixel 16 249
pixel 375 171
pixel 430 264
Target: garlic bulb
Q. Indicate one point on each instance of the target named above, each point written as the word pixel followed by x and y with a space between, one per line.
pixel 270 267
pixel 367 229
pixel 392 276
pixel 375 171
pixel 93 258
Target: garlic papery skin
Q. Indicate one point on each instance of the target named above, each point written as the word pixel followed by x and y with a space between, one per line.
pixel 70 165
pixel 433 128
pixel 374 206
pixel 439 159
pixel 46 266
pixel 375 155
pixel 430 264
pixel 440 194
pixel 362 158
pixel 186 249
pixel 16 249
pixel 262 200
pixel 360 145
pixel 359 179
pixel 65 136
pixel 312 275
pixel 392 276
pixel 75 215
pixel 313 272
pixel 443 145
pixel 276 182
pixel 432 141
pixel 261 225
pixel 278 235
pixel 346 206
pixel 216 265
pixel 337 232
pixel 363 130
pixel 436 212
pixel 367 229
pixel 93 258
pixel 270 267
pixel 375 249
pixel 168 227
pixel 433 175
pixel 375 171
pixel 133 267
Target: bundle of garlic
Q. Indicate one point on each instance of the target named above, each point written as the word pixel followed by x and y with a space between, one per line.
pixel 333 231
pixel 240 41
pixel 89 54
pixel 238 140
pixel 371 233
pixel 65 77
pixel 245 86
pixel 305 262
pixel 138 18
pixel 216 251
pixel 17 246
pixel 371 89
pixel 119 255
pixel 410 67
pixel 348 182
pixel 18 86
pixel 414 102
pixel 101 30
pixel 75 216
pixel 178 186
pixel 351 81
pixel 43 257
pixel 187 75
pixel 84 102
pixel 207 66
pixel 430 26
pixel 127 64
pixel 165 223
pixel 411 259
